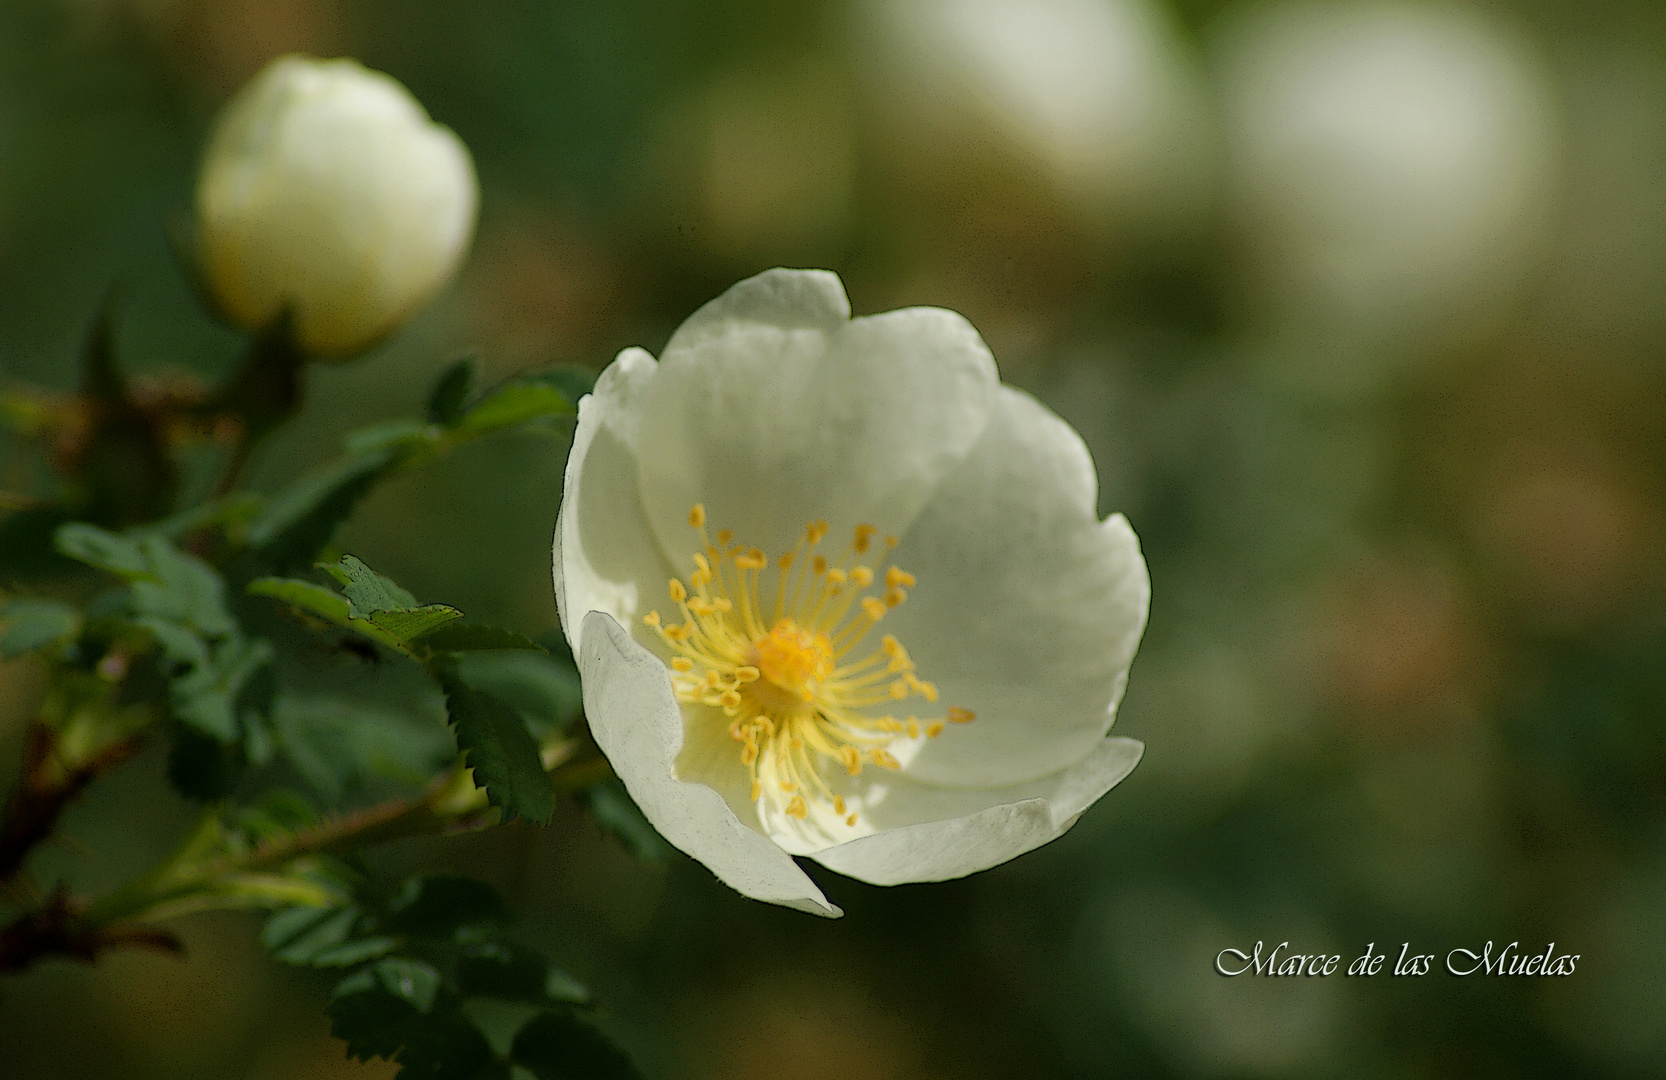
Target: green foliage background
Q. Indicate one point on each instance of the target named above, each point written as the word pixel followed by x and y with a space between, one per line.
pixel 1403 680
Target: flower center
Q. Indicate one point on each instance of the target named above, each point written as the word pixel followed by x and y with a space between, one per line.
pixel 793 658
pixel 775 653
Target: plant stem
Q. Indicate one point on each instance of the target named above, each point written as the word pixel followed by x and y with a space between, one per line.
pixel 194 878
pixel 265 391
pixel 45 786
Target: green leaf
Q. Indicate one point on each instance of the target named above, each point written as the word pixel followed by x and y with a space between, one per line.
pixel 180 588
pixel 179 645
pixel 410 625
pixel 230 510
pixel 321 937
pixel 376 1010
pixel 545 689
pixel 296 935
pixel 511 404
pixel 411 981
pixel 33 624
pixel 101 548
pixel 166 583
pixel 337 744
pixel 207 696
pixel 614 810
pixel 451 391
pixel 367 590
pixel 306 596
pixel 478 638
pixel 398 436
pixel 356 951
pixel 372 605
pixel 560 1046
pixel 300 520
pixel 500 749
pixel 439 905
pixel 510 972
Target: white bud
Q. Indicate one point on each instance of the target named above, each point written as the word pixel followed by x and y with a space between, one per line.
pixel 326 189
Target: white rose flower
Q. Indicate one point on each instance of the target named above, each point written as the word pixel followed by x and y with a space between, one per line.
pixel 763 672
pixel 327 189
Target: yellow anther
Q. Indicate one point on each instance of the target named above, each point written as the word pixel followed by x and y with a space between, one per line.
pixel 791 700
pixel 958 715
pixel 892 541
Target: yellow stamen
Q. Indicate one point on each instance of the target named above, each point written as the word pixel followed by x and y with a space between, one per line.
pixel 777 656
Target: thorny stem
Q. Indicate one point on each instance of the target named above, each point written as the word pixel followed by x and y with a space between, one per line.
pixel 194 879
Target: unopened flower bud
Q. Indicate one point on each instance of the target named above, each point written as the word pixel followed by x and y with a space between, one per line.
pixel 327 192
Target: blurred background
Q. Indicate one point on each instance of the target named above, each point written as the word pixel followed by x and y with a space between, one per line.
pixel 1361 308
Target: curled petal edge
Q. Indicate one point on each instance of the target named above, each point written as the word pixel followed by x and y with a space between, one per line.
pixel 636 721
pixel 1022 818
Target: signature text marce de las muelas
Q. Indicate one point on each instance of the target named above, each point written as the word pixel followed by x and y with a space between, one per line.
pixel 1489 960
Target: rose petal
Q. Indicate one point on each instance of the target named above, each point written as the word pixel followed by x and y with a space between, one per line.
pixel 605 554
pixel 1028 608
pixel 638 725
pixel 917 839
pixel 772 410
